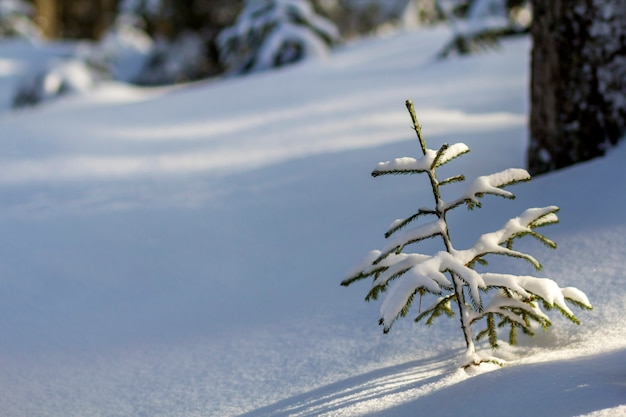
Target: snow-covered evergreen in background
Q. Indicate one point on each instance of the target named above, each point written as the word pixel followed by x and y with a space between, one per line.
pixel 120 55
pixel 273 33
pixel 125 53
pixel 174 61
pixel 124 48
pixel 500 15
pixel 57 78
pixel 358 18
pixel 133 56
pixel 182 57
pixel 482 22
pixel 16 20
pixel 450 275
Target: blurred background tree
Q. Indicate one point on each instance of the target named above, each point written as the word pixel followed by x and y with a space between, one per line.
pixel 186 31
pixel 578 75
pixel 89 18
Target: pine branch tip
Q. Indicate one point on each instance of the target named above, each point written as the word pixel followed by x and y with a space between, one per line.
pixel 416 126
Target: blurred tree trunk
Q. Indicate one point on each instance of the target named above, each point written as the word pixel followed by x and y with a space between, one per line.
pixel 75 19
pixel 578 81
pixel 49 17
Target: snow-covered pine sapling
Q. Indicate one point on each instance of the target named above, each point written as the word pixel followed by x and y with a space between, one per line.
pixel 495 300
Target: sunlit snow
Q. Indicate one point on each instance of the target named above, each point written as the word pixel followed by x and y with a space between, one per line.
pixel 178 251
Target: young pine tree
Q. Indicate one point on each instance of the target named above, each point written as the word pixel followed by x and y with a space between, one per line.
pixel 494 300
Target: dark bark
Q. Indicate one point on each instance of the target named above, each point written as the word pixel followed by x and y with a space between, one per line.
pixel 578 81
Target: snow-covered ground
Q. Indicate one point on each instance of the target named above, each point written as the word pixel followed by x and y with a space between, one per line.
pixel 178 252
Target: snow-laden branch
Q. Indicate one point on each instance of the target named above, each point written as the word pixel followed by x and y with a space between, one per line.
pixel 448 153
pixel 431 160
pixel 577 297
pixel 416 234
pixel 392 263
pixel 401 292
pixel 406 165
pixel 399 268
pixel 528 286
pixel 490 184
pixel 510 308
pixel 491 243
pixel 432 267
pixel 429 276
pixel 472 278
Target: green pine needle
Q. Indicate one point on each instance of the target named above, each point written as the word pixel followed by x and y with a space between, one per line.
pixel 456 178
pixel 408 220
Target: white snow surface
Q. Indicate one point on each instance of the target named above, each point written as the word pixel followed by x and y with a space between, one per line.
pixel 178 252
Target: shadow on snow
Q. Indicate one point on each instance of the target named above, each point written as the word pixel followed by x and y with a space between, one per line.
pixel 433 387
pixel 363 390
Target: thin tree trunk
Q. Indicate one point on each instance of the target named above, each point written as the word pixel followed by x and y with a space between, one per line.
pixel 49 17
